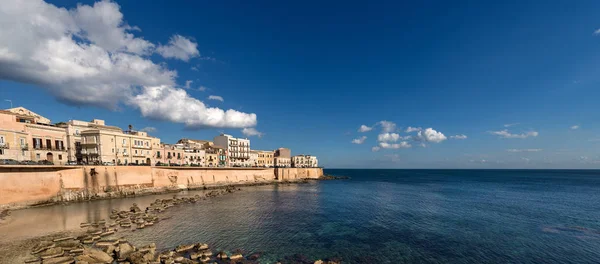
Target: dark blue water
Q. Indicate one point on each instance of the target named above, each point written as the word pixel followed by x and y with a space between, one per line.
pixel 404 216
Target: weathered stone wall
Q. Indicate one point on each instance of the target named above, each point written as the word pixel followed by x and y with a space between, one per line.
pixel 32 185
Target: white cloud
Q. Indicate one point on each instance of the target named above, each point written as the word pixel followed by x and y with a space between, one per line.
pixel 387 137
pixel 412 129
pixel 387 126
pixel 88 56
pixel 505 134
pixel 359 140
pixel 512 124
pixel 188 84
pixel 102 24
pixel 524 150
pixel 430 135
pixel 175 105
pixel 179 47
pixel 459 136
pixel 148 129
pixel 597 32
pixel 402 144
pixel 215 97
pixel 202 88
pixel 375 149
pixel 574 127
pixel 364 128
pixel 250 132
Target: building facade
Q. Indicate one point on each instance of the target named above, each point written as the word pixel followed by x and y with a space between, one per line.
pixel 25 135
pixel 304 161
pixel 265 158
pixel 237 149
pixel 282 162
pixel 253 161
pixel 103 145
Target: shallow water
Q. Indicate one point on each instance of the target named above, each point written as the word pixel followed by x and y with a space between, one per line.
pixel 384 216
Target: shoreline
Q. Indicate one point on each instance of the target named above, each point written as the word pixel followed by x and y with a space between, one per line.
pixel 116 229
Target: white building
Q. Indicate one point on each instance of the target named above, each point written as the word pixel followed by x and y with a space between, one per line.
pixel 304 161
pixel 195 157
pixel 237 149
pixel 253 161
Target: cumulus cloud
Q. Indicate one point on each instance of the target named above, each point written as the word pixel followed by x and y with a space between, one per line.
pixel 179 47
pixel 89 56
pixel 375 149
pixel 412 129
pixel 430 135
pixel 597 32
pixel 574 127
pixel 459 137
pixel 364 128
pixel 505 134
pixel 215 97
pixel 148 129
pixel 202 88
pixel 387 126
pixel 359 140
pixel 402 144
pixel 251 132
pixel 524 150
pixel 175 105
pixel 386 137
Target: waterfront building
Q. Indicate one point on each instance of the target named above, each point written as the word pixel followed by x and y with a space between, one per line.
pixel 282 162
pixel 237 149
pixel 25 135
pixel 253 161
pixel 104 144
pixel 193 143
pixel 304 161
pixel 170 154
pixel 282 157
pixel 265 158
pixel 194 157
pixel 74 129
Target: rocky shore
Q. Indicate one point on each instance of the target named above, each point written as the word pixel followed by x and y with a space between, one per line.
pixel 105 241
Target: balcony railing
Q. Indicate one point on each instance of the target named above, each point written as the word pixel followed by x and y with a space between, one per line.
pixel 4 146
pixel 25 146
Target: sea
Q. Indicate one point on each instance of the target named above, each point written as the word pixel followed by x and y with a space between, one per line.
pixel 387 216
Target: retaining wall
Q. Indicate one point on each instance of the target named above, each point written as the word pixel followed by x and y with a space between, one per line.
pixel 35 185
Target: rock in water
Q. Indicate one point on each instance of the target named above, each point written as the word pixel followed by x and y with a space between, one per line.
pixel 236 256
pixel 92 255
pixel 59 260
pixel 124 250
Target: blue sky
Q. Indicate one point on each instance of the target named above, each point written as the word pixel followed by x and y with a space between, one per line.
pixel 314 72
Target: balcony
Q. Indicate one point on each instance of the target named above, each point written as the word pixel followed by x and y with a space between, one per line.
pixel 4 146
pixel 140 147
pixel 25 146
pixel 139 156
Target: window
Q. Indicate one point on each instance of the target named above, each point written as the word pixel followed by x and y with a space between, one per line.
pixel 2 140
pixel 1 151
pixel 124 144
pixel 48 143
pixel 22 142
pixel 113 150
pixel 76 131
pixel 111 140
pixel 59 157
pixel 37 156
pixel 136 151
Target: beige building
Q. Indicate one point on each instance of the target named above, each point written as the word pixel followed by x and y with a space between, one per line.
pixel 265 158
pixel 102 145
pixel 282 157
pixel 172 154
pixel 195 157
pixel 237 149
pixel 304 161
pixel 74 128
pixel 25 135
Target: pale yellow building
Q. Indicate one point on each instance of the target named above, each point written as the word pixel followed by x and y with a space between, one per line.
pixel 121 148
pixel 265 158
pixel 282 162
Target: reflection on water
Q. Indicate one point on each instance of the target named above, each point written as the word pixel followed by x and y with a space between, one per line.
pixel 44 220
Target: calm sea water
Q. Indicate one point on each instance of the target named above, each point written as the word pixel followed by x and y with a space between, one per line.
pixel 391 216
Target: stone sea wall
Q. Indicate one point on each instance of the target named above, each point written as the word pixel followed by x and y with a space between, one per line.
pixel 36 185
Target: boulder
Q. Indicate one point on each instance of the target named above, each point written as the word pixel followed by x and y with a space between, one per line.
pixel 236 256
pixel 318 262
pixel 183 248
pixel 124 250
pixel 52 253
pixel 222 255
pixel 140 257
pixel 43 246
pixel 92 255
pixel 201 246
